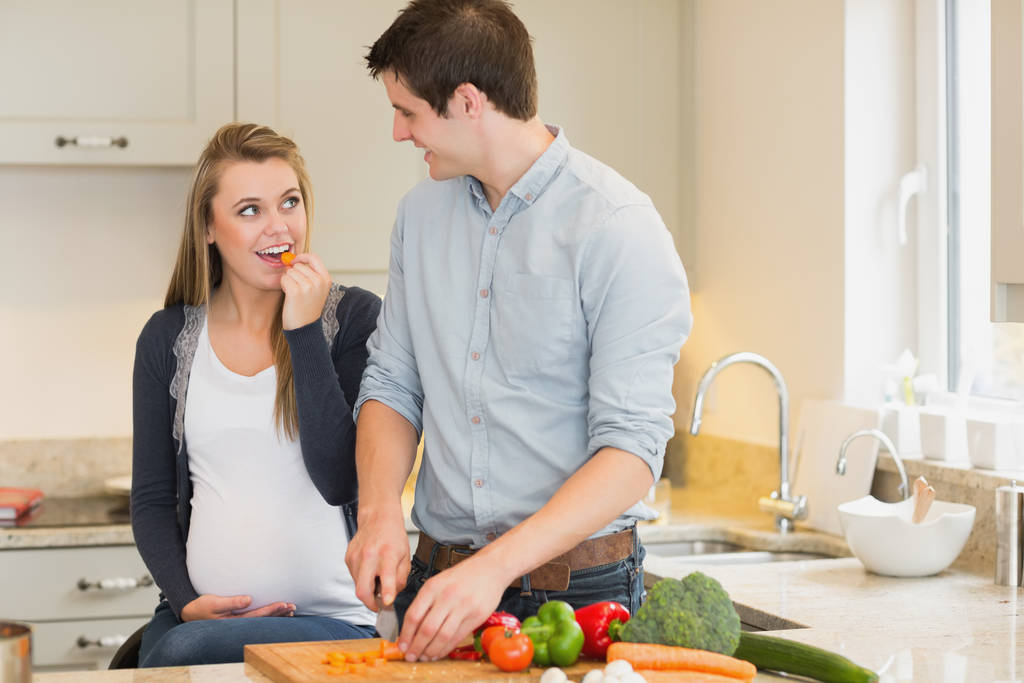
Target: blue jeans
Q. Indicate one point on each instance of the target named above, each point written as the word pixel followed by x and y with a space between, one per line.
pixel 622 582
pixel 167 641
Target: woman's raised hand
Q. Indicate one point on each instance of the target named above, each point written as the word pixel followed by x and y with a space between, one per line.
pixel 305 283
pixel 211 606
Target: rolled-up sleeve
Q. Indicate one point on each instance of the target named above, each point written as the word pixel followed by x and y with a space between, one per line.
pixel 391 375
pixel 637 305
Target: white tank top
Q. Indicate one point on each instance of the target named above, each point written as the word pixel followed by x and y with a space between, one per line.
pixel 259 527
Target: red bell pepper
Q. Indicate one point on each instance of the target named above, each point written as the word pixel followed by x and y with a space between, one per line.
pixel 505 619
pixel 595 620
pixel 465 652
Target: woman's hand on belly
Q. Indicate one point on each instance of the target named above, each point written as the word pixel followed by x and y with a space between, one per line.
pixel 209 606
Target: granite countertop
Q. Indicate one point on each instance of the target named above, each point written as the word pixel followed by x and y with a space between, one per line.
pixel 956 627
pixel 72 521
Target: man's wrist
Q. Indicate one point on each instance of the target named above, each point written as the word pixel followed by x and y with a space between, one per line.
pixel 385 510
pixel 499 561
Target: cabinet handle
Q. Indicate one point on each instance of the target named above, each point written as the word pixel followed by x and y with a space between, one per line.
pixel 102 641
pixel 115 583
pixel 92 141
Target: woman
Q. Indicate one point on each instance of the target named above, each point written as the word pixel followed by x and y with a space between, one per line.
pixel 243 482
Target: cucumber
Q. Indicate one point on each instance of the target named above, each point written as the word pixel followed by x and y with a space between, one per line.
pixel 779 654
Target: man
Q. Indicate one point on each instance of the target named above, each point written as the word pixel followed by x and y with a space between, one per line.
pixel 535 309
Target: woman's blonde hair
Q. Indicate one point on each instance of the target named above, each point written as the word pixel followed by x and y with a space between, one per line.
pixel 198 270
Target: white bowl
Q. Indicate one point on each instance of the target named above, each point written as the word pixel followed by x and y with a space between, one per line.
pixel 882 536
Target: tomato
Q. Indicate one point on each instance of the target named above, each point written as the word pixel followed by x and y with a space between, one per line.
pixel 490 633
pixel 512 651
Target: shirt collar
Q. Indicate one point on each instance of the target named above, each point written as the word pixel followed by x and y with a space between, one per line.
pixel 532 184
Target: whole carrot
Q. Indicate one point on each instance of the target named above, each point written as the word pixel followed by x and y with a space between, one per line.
pixel 670 658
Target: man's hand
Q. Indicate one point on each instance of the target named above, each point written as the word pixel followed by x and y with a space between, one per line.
pixel 449 606
pixel 211 606
pixel 380 548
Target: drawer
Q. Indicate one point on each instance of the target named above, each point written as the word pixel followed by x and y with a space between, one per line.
pixel 43 584
pixel 56 644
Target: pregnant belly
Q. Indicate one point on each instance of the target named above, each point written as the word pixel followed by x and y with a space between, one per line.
pixel 300 559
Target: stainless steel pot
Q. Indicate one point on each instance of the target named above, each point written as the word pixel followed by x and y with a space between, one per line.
pixel 15 652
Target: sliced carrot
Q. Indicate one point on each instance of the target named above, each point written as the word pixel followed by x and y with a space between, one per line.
pixel 376 661
pixel 389 650
pixel 666 657
pixel 357 668
pixel 287 258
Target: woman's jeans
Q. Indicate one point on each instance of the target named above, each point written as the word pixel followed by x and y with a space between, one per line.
pixel 622 582
pixel 167 641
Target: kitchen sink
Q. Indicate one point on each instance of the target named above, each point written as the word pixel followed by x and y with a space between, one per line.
pixel 724 552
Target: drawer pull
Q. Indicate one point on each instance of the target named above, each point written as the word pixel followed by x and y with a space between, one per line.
pixel 116 583
pixel 102 641
pixel 91 141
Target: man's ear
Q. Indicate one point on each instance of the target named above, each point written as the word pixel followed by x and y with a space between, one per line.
pixel 468 101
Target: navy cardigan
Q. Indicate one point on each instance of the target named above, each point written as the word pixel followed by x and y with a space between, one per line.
pixel 327 376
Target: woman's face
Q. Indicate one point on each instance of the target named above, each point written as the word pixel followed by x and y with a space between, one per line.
pixel 257 216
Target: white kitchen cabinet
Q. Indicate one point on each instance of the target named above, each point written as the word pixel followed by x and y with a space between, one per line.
pixel 157 74
pixel 77 624
pixel 1007 161
pixel 301 70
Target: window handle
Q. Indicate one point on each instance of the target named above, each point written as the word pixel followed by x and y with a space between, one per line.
pixel 913 182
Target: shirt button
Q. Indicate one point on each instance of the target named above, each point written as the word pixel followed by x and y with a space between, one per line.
pixel 494 230
pixel 475 356
pixel 529 196
pixel 475 420
pixel 483 293
pixel 479 483
pixel 491 536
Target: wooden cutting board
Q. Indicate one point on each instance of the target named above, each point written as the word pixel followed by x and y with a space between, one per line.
pixel 293 662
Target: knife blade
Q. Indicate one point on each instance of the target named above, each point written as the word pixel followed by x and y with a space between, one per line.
pixel 387 620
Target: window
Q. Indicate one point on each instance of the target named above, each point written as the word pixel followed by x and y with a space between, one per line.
pixel 985 358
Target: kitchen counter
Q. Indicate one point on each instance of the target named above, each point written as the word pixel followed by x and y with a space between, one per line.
pixel 953 627
pixel 72 521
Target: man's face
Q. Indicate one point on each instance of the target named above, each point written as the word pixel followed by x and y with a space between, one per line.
pixel 444 139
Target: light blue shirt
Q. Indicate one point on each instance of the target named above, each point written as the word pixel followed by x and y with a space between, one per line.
pixel 521 341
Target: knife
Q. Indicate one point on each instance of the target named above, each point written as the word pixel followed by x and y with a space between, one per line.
pixel 387 620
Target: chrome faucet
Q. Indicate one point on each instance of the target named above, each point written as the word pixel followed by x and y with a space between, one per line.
pixel 781 503
pixel 889 445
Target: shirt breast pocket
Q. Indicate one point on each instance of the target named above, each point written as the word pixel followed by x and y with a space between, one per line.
pixel 534 317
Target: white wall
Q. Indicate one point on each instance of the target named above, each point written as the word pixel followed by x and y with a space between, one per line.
pixel 805 122
pixel 769 179
pixel 88 253
pixel 90 249
pixel 796 129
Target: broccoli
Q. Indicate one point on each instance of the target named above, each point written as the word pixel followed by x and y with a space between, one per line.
pixel 695 612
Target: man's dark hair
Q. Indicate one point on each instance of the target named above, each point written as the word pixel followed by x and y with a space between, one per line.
pixel 434 46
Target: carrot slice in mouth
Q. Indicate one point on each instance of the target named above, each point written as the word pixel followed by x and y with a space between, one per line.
pixel 287 258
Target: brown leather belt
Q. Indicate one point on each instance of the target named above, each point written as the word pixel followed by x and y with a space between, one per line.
pixel 551 576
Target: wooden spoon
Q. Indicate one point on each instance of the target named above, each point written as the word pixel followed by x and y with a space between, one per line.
pixel 924 495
